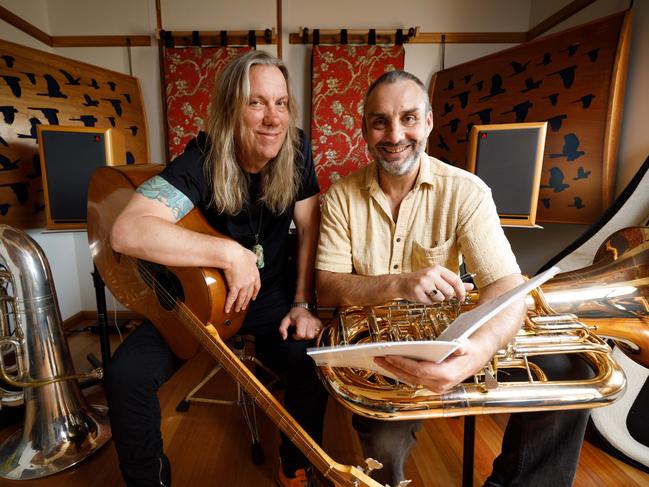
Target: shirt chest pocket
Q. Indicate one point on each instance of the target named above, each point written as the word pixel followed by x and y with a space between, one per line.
pixel 446 255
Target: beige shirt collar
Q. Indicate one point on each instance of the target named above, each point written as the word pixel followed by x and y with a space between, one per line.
pixel 425 176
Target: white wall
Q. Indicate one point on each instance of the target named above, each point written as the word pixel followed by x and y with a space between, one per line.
pixel 90 17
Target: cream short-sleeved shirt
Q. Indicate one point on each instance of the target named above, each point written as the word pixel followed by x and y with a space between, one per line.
pixel 449 215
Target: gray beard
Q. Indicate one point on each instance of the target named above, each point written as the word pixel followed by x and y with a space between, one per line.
pixel 405 167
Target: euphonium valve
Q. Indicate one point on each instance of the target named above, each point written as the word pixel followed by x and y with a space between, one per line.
pixel 60 428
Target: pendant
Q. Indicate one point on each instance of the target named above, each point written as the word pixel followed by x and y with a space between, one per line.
pixel 259 252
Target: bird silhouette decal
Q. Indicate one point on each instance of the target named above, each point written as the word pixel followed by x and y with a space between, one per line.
pixel 36 165
pixel 111 120
pixel 484 115
pixel 50 114
pixel 53 88
pixel 448 108
pixel 112 85
pixel 87 120
pixel 3 142
pixel 463 97
pixel 442 143
pixel 547 59
pixel 518 67
pixel 554 97
pixel 4 208
pixel 7 165
pixel 8 113
pixel 530 85
pixel 521 110
pixel 9 60
pixel 570 146
pixel 13 82
pixel 592 55
pixel 585 100
pixel 20 190
pixel 89 102
pixel 567 75
pixel 479 85
pixel 469 126
pixel 581 174
pixel 452 123
pixel 117 105
pixel 496 87
pixel 450 86
pixel 467 78
pixel 556 180
pixel 38 207
pixel 127 97
pixel 133 130
pixel 555 122
pixel 34 122
pixel 31 77
pixel 130 158
pixel 545 202
pixel 578 203
pixel 571 49
pixel 70 80
pixel 94 84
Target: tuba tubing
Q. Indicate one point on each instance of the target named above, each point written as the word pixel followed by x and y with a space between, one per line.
pixel 60 428
pixel 568 314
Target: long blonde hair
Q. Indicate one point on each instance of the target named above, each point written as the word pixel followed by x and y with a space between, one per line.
pixel 279 178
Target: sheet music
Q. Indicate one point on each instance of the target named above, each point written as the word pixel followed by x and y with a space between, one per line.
pixel 362 355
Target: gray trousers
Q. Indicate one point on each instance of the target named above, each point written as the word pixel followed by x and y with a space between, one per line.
pixel 539 449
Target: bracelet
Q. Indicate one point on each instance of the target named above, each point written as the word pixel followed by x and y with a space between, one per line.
pixel 303 304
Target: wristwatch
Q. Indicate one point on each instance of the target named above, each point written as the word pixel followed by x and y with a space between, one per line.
pixel 303 304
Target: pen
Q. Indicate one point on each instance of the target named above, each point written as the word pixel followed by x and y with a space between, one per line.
pixel 467 276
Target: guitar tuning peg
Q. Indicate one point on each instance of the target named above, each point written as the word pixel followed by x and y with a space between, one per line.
pixel 404 483
pixel 371 464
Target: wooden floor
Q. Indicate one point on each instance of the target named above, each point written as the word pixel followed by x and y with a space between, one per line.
pixel 209 445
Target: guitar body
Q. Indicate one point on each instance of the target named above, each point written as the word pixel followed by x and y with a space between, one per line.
pixel 152 290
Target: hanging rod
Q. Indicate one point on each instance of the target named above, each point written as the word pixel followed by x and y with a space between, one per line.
pixel 223 38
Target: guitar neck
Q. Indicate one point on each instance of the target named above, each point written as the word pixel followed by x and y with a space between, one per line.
pixel 340 474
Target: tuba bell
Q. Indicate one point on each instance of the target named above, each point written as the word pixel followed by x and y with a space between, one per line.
pixel 568 314
pixel 60 428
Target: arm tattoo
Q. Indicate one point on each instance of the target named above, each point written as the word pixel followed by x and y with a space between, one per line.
pixel 157 188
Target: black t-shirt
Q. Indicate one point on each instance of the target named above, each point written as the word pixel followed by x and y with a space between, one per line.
pixel 186 173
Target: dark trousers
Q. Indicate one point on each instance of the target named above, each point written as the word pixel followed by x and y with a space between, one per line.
pixel 143 362
pixel 539 449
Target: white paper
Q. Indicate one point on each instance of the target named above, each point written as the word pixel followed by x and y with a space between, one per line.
pixel 361 356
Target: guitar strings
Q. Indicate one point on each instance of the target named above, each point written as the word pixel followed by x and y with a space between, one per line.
pixel 181 309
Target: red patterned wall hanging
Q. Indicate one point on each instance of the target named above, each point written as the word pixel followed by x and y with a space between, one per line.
pixel 41 88
pixel 340 78
pixel 189 74
pixel 574 80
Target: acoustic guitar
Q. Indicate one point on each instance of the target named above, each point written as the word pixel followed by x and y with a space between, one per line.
pixel 186 305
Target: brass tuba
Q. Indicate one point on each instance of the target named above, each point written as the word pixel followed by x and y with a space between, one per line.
pixel 566 315
pixel 60 428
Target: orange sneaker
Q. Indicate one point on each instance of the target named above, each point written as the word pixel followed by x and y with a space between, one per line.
pixel 300 479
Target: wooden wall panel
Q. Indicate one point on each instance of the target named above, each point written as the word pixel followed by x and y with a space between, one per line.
pixel 37 87
pixel 570 79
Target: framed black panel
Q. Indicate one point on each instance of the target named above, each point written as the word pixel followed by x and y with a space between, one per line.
pixel 68 157
pixel 508 158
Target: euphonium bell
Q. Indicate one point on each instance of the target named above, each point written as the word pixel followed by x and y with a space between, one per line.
pixel 608 298
pixel 60 428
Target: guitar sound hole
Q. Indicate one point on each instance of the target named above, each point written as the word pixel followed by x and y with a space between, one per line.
pixel 165 284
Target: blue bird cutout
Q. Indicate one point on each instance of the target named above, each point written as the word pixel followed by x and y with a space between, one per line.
pixel 581 174
pixel 570 146
pixel 578 204
pixel 556 180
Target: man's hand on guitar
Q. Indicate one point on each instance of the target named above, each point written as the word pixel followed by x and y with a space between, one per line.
pixel 306 325
pixel 242 277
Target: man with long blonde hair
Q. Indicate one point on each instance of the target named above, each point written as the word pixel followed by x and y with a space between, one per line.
pixel 250 174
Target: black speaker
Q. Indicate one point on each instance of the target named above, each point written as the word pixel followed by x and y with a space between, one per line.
pixel 69 155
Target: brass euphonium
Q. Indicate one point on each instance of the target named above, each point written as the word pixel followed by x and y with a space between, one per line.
pixel 567 315
pixel 60 428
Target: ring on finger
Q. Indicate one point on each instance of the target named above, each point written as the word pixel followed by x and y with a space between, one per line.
pixel 432 292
